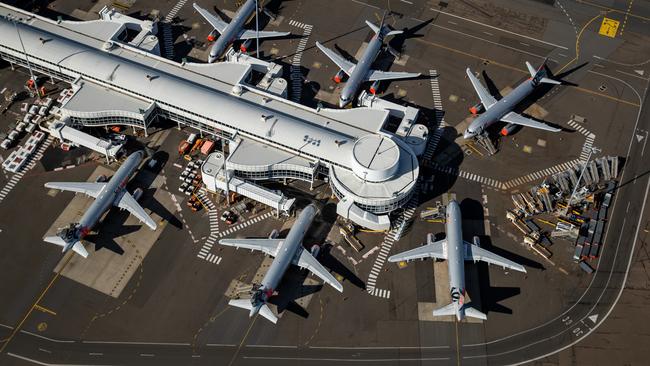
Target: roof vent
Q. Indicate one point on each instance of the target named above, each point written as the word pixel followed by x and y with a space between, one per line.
pixel 237 90
pixel 108 45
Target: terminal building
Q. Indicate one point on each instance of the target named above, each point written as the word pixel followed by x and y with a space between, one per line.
pixel 118 77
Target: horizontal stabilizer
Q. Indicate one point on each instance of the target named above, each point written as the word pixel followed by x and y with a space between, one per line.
pixel 550 81
pixel 263 310
pixel 446 310
pixel 55 240
pixel 79 249
pixel 473 313
pixel 531 69
pixel 373 26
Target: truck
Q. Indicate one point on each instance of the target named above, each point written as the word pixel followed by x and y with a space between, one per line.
pixel 191 139
pixel 207 147
pixel 183 147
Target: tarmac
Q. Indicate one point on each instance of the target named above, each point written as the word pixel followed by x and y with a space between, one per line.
pixel 173 309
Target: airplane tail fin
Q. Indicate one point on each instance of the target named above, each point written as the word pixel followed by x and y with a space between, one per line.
pixel 540 74
pixel 78 247
pixel 459 312
pixel 263 310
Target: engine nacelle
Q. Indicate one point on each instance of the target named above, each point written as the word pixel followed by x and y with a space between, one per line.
pixel 315 250
pixel 212 36
pixel 508 129
pixel 374 87
pixel 274 234
pixel 137 194
pixel 244 46
pixel 476 241
pixel 339 76
pixel 477 108
pixel 101 179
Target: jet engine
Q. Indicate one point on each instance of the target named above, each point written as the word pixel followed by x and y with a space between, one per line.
pixel 339 76
pixel 508 129
pixel 374 87
pixel 212 36
pixel 477 108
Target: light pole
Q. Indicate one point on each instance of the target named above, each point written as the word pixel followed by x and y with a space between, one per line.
pixel 592 150
pixel 29 65
pixel 257 30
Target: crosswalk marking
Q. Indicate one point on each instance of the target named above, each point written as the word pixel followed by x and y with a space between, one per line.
pixel 213 216
pixel 295 75
pixel 31 162
pixel 434 138
pixel 393 234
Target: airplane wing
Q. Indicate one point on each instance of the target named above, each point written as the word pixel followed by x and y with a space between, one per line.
pixel 215 21
pixel 127 202
pixel 486 98
pixel 436 250
pixel 518 119
pixel 476 253
pixel 251 34
pixel 390 75
pixel 306 260
pixel 90 189
pixel 342 63
pixel 268 246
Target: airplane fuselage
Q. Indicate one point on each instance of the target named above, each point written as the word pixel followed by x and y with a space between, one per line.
pixel 455 254
pixel 501 108
pixel 287 251
pixel 111 193
pixel 232 31
pixel 361 70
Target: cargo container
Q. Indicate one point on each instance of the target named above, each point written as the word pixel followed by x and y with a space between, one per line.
pixel 586 267
pixel 207 147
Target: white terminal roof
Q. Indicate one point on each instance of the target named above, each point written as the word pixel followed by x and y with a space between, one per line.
pixel 91 97
pixel 328 135
pixel 251 153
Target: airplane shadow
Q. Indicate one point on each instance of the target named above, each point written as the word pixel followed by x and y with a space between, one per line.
pixel 489 297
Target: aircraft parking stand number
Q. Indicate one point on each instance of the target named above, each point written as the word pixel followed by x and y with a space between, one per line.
pixel 609 27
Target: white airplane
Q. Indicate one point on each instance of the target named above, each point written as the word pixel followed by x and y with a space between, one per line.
pixel 456 251
pixel 286 251
pixel 230 32
pixel 361 72
pixel 501 110
pixel 106 195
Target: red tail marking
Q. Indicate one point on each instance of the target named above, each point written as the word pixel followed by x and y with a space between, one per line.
pixel 473 110
pixel 504 132
pixel 211 38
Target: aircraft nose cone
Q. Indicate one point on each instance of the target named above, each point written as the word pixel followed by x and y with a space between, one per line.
pixel 343 102
pixel 212 59
pixel 468 134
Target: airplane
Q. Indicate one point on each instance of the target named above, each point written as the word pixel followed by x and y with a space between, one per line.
pixel 286 251
pixel 230 32
pixel 501 110
pixel 455 250
pixel 106 194
pixel 361 71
